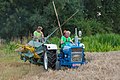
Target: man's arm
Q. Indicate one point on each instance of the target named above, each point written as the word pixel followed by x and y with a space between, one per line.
pixel 42 34
pixel 62 41
pixel 71 41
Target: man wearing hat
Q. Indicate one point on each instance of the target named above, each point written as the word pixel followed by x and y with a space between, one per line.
pixel 38 34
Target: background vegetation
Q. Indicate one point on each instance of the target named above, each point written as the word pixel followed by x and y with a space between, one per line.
pixel 20 17
pixel 96 43
pixel 97 19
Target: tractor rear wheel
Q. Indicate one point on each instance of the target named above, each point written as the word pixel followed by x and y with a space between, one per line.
pixel 52 57
pixel 45 61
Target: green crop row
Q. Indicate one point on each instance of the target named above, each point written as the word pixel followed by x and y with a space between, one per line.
pixel 98 42
pixel 102 42
pixel 95 43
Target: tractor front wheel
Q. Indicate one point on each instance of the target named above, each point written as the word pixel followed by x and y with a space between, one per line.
pixel 52 57
pixel 58 67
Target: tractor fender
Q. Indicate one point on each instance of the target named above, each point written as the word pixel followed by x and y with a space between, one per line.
pixel 51 46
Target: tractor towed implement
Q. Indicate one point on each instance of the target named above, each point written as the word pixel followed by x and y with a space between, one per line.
pixel 36 53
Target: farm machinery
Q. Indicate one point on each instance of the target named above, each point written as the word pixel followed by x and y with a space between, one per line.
pixel 71 55
pixel 39 53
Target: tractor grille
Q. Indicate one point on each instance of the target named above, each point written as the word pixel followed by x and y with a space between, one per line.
pixel 76 55
pixel 76 49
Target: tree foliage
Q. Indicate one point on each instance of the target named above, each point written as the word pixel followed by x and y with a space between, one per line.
pixel 21 17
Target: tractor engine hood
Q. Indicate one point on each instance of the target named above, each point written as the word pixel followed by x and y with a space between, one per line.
pixel 66 49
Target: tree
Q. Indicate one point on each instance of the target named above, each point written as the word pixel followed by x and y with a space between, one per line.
pixel 21 17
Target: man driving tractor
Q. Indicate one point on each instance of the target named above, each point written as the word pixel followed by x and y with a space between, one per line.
pixel 65 38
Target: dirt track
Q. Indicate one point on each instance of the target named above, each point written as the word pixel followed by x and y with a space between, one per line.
pixel 100 66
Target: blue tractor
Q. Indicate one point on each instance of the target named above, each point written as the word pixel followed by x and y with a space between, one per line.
pixel 71 55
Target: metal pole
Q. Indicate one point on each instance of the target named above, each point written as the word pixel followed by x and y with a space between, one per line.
pixel 62 24
pixel 57 17
pixel 70 17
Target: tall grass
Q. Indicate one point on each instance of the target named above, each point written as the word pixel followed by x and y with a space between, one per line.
pixel 7 52
pixel 102 42
pixel 55 40
pixel 8 48
pixel 98 42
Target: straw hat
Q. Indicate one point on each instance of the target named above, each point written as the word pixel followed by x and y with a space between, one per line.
pixel 39 27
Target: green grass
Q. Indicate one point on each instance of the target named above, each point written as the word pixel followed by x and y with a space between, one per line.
pixel 102 42
pixel 8 48
pixel 7 52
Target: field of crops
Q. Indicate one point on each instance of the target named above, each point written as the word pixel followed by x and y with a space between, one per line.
pixel 102 42
pixel 98 42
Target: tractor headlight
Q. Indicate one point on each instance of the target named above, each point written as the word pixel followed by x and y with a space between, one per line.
pixel 80 33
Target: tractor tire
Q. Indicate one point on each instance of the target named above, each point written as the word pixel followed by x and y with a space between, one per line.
pixel 52 58
pixel 84 57
pixel 57 67
pixel 21 57
pixel 45 61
